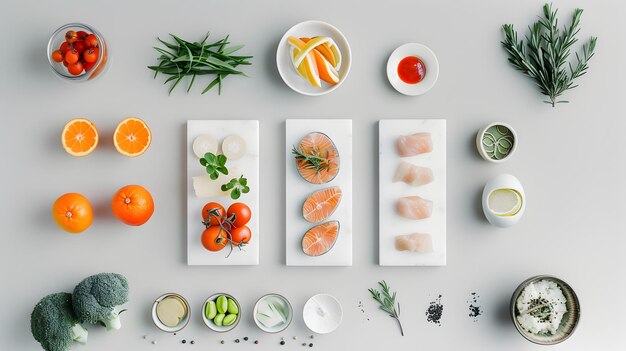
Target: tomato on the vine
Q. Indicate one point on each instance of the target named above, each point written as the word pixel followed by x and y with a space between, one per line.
pixel 213 213
pixel 214 238
pixel 241 213
pixel 240 235
pixel 91 41
pixel 75 68
pixel 91 55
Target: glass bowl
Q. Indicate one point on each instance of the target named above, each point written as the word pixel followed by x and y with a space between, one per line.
pixel 58 38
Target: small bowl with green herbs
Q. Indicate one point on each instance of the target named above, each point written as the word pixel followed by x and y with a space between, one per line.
pixel 221 312
pixel 496 142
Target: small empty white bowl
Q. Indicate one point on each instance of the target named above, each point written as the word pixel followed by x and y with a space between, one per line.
pixel 311 29
pixel 503 181
pixel 322 314
pixel 430 62
pixel 288 314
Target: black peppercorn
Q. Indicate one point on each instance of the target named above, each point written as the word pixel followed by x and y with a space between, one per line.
pixel 282 342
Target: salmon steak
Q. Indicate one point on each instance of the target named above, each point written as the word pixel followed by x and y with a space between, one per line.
pixel 320 239
pixel 317 158
pixel 414 144
pixel 321 204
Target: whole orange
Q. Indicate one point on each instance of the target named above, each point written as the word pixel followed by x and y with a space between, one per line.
pixel 133 205
pixel 72 212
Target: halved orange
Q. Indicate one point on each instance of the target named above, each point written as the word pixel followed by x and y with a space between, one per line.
pixel 132 137
pixel 79 137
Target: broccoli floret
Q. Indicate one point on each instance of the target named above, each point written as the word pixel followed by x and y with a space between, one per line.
pixel 54 324
pixel 97 299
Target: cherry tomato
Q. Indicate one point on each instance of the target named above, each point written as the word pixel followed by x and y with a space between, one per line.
pixel 214 238
pixel 88 66
pixel 240 235
pixel 80 46
pixel 91 55
pixel 75 68
pixel 91 41
pixel 57 56
pixel 65 63
pixel 241 213
pixel 81 34
pixel 65 47
pixel 71 36
pixel 71 56
pixel 213 211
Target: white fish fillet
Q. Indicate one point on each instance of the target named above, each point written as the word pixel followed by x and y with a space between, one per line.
pixel 412 174
pixel 416 242
pixel 414 207
pixel 414 144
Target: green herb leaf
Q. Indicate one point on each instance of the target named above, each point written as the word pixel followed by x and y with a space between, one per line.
pixel 387 302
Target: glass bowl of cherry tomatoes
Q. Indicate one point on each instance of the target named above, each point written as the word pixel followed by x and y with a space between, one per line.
pixel 77 52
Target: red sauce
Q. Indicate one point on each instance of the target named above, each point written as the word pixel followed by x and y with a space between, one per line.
pixel 411 70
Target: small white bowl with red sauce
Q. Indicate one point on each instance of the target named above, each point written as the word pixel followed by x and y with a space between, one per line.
pixel 412 69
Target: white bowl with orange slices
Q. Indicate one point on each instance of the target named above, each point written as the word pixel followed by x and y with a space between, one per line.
pixel 313 58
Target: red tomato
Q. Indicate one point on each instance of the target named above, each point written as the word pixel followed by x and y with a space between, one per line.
pixel 71 36
pixel 65 63
pixel 88 66
pixel 81 34
pixel 214 238
pixel 240 235
pixel 57 56
pixel 80 46
pixel 91 41
pixel 65 47
pixel 91 55
pixel 239 213
pixel 71 56
pixel 213 211
pixel 75 68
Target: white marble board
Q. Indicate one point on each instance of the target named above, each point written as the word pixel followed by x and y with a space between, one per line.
pixel 248 165
pixel 297 190
pixel 390 222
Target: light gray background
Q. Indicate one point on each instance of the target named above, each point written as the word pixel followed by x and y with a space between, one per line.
pixel 570 161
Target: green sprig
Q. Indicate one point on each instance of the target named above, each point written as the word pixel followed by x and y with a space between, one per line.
pixel 214 165
pixel 182 59
pixel 237 186
pixel 387 302
pixel 544 57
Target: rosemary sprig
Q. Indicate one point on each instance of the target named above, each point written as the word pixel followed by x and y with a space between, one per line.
pixel 182 59
pixel 544 57
pixel 387 302
pixel 314 159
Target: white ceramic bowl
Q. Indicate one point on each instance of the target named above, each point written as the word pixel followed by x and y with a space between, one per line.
pixel 481 147
pixel 289 315
pixel 423 53
pixel 503 181
pixel 309 29
pixel 209 323
pixel 181 325
pixel 322 313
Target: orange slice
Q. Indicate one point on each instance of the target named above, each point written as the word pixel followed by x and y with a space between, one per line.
pixel 326 71
pixel 320 239
pixel 79 137
pixel 325 50
pixel 321 204
pixel 132 137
